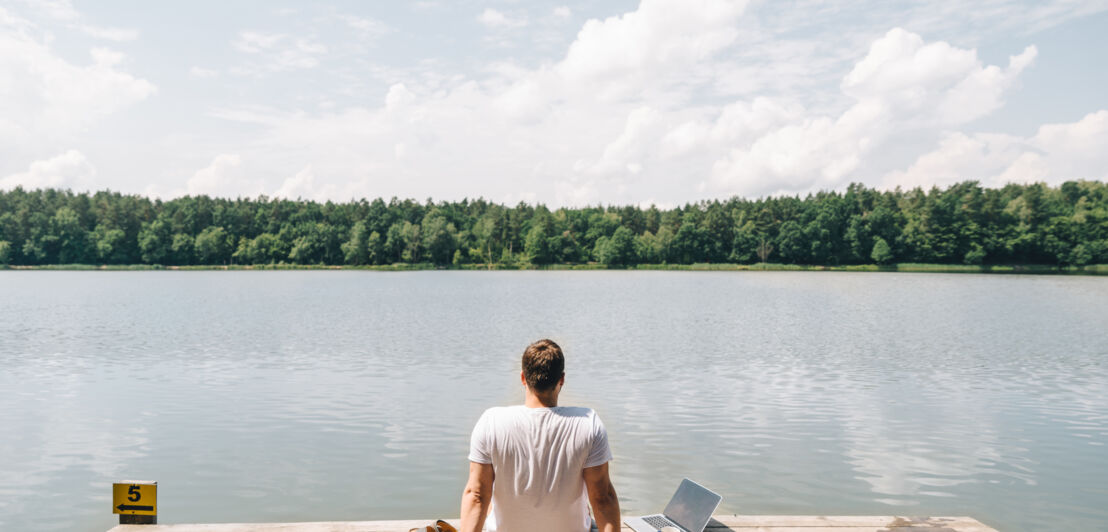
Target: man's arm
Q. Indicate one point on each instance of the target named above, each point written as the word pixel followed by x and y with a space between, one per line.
pixel 476 497
pixel 602 497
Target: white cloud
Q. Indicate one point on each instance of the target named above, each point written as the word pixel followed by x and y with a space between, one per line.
pixel 901 84
pixel 201 72
pixel 67 170
pixel 1056 153
pixel 63 10
pixel 738 123
pixel 935 82
pixel 366 27
pixel 1077 149
pixel 299 186
pixel 625 154
pixel 563 12
pixel 253 42
pixel 492 18
pixel 614 89
pixel 303 185
pixel 631 109
pixel 225 176
pixel 111 34
pixel 57 9
pixel 398 96
pixel 45 96
pixel 658 40
pixel 277 52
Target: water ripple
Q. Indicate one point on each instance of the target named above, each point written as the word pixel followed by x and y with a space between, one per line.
pixel 266 396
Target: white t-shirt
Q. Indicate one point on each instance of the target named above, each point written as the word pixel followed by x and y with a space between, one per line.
pixel 538 455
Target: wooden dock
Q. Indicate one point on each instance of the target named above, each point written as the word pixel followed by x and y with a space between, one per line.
pixel 720 523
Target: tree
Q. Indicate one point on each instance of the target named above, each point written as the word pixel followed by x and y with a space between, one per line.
pixel 688 244
pixel 1079 256
pixel 792 243
pixel 599 225
pixel 619 250
pixel 71 237
pixel 182 251
pixel 881 253
pixel 765 247
pixel 154 241
pixel 315 243
pixel 375 246
pixel 213 246
pixel 109 245
pixel 394 243
pixel 412 243
pixel 975 255
pixel 486 235
pixel 356 250
pixel 268 248
pixel 5 251
pixel 718 230
pixel 648 248
pixel 537 245
pixel 745 243
pixel 439 237
pixel 1017 224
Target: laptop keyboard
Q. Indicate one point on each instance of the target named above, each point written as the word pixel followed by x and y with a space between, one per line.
pixel 658 521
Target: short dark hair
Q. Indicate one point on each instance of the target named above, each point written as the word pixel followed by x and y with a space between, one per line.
pixel 543 365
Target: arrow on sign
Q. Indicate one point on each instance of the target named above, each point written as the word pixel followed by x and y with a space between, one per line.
pixel 136 508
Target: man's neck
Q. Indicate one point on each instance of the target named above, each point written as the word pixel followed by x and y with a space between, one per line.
pixel 534 400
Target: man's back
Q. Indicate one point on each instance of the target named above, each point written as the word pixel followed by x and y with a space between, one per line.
pixel 538 455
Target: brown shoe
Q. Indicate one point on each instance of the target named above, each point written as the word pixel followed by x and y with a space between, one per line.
pixel 439 526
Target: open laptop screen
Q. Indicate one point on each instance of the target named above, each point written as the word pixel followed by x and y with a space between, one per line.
pixel 692 506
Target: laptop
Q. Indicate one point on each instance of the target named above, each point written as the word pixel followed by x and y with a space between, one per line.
pixel 689 510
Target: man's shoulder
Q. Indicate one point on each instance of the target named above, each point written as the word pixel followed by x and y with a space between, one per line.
pixel 575 411
pixel 501 409
pixel 495 412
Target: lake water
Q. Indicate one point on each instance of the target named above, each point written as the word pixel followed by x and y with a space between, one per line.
pixel 343 395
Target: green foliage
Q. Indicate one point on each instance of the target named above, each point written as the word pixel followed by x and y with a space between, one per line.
pixel 411 243
pixel 654 248
pixel 357 251
pixel 213 246
pixel 181 251
pixel 155 242
pixel 110 245
pixel 1064 227
pixel 67 236
pixel 975 256
pixel 439 237
pixel 619 250
pixel 882 253
pixel 265 248
pixel 537 245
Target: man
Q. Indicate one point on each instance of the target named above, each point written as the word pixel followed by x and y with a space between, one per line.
pixel 531 466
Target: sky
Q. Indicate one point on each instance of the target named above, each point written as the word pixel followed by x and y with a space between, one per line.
pixel 561 103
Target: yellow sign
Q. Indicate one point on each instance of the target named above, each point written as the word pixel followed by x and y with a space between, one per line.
pixel 137 497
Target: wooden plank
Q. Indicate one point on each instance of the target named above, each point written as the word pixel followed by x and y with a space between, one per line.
pixel 839 521
pixel 719 523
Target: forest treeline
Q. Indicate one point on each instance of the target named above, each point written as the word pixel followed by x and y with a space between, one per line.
pixel 962 224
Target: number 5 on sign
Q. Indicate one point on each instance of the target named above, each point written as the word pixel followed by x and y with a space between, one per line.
pixel 137 497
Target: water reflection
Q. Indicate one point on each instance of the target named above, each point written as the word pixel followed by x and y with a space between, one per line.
pixel 266 396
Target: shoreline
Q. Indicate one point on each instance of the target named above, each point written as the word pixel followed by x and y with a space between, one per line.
pixel 1032 269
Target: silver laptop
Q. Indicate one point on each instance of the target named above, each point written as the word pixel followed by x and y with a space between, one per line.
pixel 689 510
